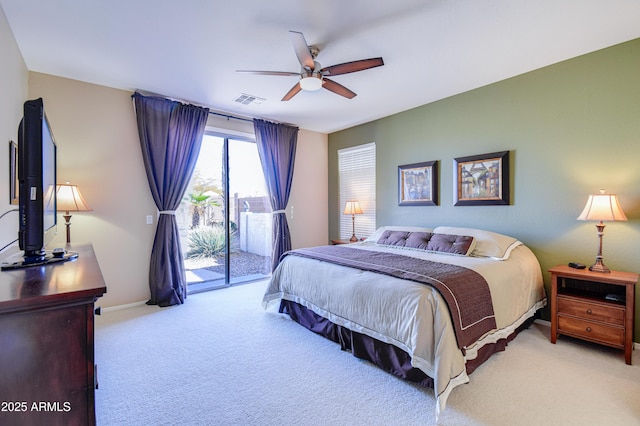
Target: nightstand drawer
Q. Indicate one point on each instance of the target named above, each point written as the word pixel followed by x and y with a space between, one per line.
pixel 610 314
pixel 588 330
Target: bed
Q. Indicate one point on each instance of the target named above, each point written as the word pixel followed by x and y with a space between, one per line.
pixel 428 305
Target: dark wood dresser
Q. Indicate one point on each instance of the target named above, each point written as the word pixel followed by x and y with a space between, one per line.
pixel 47 371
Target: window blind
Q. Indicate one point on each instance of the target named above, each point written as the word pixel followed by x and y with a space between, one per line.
pixel 357 176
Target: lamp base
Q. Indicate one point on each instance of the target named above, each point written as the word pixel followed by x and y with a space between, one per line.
pixel 353 227
pixel 67 218
pixel 599 266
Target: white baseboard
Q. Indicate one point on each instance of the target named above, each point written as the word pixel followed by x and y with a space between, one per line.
pixel 636 345
pixel 119 307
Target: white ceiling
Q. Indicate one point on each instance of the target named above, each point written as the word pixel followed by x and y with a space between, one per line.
pixel 191 49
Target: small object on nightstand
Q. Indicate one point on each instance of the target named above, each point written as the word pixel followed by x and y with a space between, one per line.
pixel 576 265
pixel 59 252
pixel 614 297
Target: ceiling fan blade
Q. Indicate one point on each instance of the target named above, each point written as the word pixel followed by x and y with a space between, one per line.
pixel 338 88
pixel 291 93
pixel 347 67
pixel 284 73
pixel 302 49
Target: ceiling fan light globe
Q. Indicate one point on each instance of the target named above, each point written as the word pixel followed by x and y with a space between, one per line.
pixel 310 84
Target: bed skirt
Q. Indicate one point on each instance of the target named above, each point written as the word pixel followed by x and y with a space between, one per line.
pixel 388 357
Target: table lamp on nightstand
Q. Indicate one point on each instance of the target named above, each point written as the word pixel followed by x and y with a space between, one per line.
pixel 353 208
pixel 601 207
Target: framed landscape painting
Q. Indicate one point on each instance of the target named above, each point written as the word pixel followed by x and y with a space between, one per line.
pixel 481 179
pixel 418 184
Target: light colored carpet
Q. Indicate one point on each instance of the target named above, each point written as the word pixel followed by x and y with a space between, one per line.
pixel 220 359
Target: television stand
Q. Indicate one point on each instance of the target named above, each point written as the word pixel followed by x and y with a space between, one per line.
pixel 48 373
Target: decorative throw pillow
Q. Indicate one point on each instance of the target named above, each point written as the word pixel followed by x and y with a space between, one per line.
pixel 438 243
pixel 454 244
pixel 488 244
pixel 415 240
pixel 373 238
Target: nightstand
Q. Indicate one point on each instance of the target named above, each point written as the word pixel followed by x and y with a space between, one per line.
pixel 594 306
pixel 337 242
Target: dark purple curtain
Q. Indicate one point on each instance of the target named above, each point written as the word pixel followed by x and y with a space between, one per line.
pixel 170 138
pixel 277 149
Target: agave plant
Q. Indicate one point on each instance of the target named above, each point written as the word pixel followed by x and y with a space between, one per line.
pixel 206 241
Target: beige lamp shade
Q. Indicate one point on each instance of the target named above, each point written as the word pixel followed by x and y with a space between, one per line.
pixel 352 207
pixel 69 199
pixel 602 207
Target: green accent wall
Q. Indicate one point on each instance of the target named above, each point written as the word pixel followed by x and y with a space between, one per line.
pixel 571 129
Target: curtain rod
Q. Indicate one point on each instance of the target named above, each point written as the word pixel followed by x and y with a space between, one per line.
pixel 227 116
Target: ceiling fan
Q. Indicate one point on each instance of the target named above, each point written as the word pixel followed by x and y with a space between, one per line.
pixel 312 76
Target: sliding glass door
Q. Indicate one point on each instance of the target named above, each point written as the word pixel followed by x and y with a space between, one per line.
pixel 225 217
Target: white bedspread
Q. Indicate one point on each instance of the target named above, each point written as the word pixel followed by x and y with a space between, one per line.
pixel 410 315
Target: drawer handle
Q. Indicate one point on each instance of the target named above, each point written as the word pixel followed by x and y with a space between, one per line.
pixel 589 329
pixel 589 311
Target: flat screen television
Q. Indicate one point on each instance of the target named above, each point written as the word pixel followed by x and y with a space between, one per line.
pixel 36 191
pixel 37 182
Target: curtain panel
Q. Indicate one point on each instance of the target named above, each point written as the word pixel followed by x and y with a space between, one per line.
pixel 277 149
pixel 170 138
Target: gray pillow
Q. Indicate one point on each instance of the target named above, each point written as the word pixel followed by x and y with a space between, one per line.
pixel 440 243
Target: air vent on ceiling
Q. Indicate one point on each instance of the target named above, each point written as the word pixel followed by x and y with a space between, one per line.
pixel 245 99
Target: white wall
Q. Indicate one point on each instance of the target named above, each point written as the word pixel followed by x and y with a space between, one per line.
pixel 14 88
pixel 308 211
pixel 99 150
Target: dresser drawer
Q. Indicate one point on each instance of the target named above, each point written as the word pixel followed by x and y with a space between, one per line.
pixel 593 311
pixel 611 335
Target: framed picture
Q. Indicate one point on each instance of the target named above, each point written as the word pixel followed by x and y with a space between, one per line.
pixel 481 179
pixel 418 184
pixel 13 172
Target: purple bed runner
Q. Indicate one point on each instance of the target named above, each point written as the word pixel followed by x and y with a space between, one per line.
pixel 465 291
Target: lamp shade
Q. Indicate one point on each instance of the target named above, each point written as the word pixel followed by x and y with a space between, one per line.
pixel 352 207
pixel 602 207
pixel 69 199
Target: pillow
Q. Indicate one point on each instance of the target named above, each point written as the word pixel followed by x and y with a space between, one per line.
pixel 373 238
pixel 454 244
pixel 488 244
pixel 415 240
pixel 427 241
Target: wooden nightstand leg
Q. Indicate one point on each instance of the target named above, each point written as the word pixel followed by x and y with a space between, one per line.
pixel 554 307
pixel 630 310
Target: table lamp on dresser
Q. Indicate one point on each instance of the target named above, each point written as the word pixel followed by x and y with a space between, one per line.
pixel 69 199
